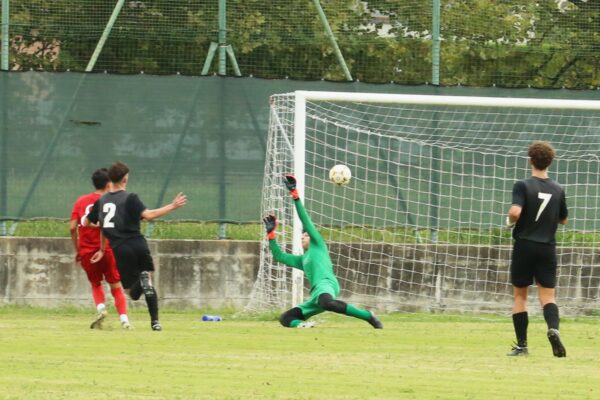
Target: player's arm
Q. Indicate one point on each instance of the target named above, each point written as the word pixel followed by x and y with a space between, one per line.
pixel 100 253
pixel 279 255
pixel 74 229
pixel 93 217
pixel 518 201
pixel 564 211
pixel 307 224
pixel 514 213
pixel 179 201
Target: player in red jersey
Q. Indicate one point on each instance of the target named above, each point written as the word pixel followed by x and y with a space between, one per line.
pixel 87 242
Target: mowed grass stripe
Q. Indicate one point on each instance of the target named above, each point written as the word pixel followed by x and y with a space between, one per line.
pixel 54 355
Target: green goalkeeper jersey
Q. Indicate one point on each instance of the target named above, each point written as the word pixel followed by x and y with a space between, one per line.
pixel 315 262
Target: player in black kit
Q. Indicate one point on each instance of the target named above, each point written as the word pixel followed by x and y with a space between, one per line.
pixel 538 206
pixel 119 213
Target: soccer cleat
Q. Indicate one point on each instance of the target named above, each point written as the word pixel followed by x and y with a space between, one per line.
pixel 375 322
pixel 97 324
pixel 558 349
pixel 156 326
pixel 308 324
pixel 518 351
pixel 126 325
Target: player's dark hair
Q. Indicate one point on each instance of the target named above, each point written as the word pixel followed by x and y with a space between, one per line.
pixel 117 171
pixel 541 154
pixel 100 178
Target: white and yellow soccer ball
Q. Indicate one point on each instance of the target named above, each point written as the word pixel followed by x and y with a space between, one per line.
pixel 340 175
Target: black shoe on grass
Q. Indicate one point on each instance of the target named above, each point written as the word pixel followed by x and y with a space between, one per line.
pixel 375 322
pixel 558 349
pixel 156 326
pixel 518 351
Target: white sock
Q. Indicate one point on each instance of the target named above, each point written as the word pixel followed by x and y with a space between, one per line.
pixel 100 307
pixel 123 318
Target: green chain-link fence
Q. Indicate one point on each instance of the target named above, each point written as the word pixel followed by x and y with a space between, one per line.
pixel 510 43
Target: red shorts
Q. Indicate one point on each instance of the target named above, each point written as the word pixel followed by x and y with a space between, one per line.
pixel 106 268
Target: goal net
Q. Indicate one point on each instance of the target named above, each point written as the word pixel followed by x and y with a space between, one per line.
pixel 421 224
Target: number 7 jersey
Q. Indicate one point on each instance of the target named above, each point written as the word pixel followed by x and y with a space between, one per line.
pixel 119 214
pixel 543 204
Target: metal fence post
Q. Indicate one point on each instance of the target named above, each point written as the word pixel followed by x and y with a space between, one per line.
pixel 105 34
pixel 5 53
pixel 4 66
pixel 435 45
pixel 332 40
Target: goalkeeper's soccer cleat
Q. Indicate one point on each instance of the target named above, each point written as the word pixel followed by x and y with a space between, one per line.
pixel 307 324
pixel 97 323
pixel 558 349
pixel 156 326
pixel 518 351
pixel 375 322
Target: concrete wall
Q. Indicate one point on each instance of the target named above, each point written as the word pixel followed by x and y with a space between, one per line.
pixel 218 274
pixel 189 273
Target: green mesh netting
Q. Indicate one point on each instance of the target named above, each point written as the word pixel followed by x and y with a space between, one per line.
pixel 510 43
pixel 201 135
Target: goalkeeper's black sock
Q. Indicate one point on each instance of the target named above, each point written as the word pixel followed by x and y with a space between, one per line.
pixel 152 302
pixel 521 321
pixel 551 315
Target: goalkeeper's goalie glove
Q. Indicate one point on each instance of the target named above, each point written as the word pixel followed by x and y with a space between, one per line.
pixel 270 224
pixel 290 183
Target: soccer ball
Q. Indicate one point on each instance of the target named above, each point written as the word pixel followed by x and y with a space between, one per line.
pixel 340 175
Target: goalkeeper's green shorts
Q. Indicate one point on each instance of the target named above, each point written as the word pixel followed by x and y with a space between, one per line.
pixel 311 306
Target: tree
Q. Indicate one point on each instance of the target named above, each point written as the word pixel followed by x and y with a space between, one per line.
pixel 509 43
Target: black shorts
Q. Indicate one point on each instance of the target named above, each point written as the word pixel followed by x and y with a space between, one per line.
pixel 532 260
pixel 133 256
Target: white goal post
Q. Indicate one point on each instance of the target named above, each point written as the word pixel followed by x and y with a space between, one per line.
pixel 420 225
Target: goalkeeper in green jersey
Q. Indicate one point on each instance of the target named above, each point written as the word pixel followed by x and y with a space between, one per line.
pixel 318 269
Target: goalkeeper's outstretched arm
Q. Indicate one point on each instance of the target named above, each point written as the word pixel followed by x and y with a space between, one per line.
pixel 309 227
pixel 279 255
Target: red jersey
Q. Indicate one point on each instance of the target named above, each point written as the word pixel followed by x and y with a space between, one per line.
pixel 89 237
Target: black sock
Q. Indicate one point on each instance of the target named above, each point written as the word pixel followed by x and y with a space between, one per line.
pixel 551 315
pixel 520 321
pixel 135 291
pixel 152 302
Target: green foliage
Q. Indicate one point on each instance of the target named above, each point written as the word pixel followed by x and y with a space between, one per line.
pixel 507 43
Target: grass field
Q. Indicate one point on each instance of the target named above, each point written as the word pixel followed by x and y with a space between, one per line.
pixel 54 355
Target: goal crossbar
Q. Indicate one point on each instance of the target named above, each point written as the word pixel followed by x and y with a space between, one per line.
pixel 434 100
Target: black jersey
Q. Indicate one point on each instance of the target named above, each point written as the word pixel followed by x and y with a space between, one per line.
pixel 543 204
pixel 119 214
